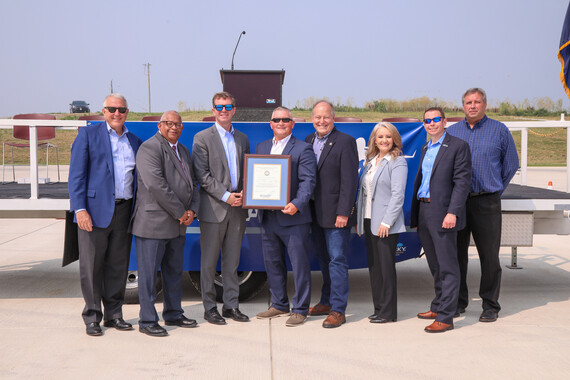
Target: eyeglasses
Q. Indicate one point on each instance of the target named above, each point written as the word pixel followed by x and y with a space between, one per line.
pixel 228 107
pixel 114 109
pixel 172 124
pixel 284 119
pixel 435 120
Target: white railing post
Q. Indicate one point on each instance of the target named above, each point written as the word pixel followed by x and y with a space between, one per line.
pixel 524 155
pixel 33 130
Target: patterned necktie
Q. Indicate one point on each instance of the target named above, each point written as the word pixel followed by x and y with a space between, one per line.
pixel 179 160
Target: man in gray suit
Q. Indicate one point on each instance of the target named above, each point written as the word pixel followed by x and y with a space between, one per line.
pixel 218 156
pixel 167 201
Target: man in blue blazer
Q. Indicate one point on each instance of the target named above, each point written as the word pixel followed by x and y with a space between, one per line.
pixel 288 228
pixel 438 211
pixel 101 190
pixel 333 210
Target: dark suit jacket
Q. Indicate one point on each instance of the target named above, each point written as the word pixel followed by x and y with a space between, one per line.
pixel 449 183
pixel 91 173
pixel 165 192
pixel 303 179
pixel 213 174
pixel 337 179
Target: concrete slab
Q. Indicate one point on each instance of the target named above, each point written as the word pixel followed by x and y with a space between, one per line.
pixel 42 333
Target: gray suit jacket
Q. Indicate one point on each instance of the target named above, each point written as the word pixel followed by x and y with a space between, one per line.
pixel 164 192
pixel 389 187
pixel 213 173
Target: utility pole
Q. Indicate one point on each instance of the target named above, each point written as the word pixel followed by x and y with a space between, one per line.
pixel 147 69
pixel 111 86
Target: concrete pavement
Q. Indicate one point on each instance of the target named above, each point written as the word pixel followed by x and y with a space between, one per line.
pixel 42 333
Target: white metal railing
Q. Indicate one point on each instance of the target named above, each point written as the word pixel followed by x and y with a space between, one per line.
pixel 522 126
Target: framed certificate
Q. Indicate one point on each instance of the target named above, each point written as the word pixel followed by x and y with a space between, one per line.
pixel 267 181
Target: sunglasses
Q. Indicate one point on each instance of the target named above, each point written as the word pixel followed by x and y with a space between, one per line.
pixel 435 120
pixel 284 119
pixel 114 109
pixel 172 124
pixel 228 107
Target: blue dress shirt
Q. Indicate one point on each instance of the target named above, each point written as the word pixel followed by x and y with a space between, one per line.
pixel 493 153
pixel 123 163
pixel 231 155
pixel 427 166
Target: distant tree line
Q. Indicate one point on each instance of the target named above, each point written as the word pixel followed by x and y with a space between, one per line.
pixel 537 107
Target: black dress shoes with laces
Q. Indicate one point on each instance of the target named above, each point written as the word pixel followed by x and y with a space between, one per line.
pixel 182 322
pixel 154 330
pixel 213 316
pixel 235 314
pixel 93 329
pixel 119 324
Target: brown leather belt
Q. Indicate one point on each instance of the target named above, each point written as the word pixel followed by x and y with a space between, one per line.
pixel 425 200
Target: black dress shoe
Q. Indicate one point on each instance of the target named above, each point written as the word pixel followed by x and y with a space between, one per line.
pixel 214 317
pixel 489 316
pixel 119 324
pixel 93 329
pixel 182 322
pixel 235 314
pixel 154 330
pixel 378 319
pixel 372 316
pixel 461 310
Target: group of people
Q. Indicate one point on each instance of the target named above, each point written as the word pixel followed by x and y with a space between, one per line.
pixel 457 190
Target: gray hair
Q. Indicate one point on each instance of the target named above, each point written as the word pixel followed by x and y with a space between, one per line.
pixel 280 108
pixel 474 90
pixel 323 101
pixel 171 111
pixel 116 96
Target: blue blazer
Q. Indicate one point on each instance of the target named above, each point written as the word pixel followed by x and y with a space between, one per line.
pixel 303 179
pixel 337 179
pixel 91 173
pixel 449 183
pixel 388 193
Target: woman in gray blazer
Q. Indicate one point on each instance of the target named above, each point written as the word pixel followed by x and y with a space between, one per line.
pixel 380 215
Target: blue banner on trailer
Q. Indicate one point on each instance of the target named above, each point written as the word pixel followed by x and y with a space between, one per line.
pixel 413 137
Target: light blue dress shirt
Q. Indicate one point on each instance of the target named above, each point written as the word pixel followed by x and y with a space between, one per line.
pixel 427 166
pixel 123 163
pixel 231 155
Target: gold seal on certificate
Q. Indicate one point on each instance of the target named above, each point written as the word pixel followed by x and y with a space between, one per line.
pixel 266 181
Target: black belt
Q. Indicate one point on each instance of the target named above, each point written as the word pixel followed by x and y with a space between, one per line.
pixel 425 200
pixel 120 201
pixel 471 195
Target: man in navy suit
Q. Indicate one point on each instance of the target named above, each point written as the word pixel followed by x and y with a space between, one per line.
pixel 333 208
pixel 288 228
pixel 101 190
pixel 438 211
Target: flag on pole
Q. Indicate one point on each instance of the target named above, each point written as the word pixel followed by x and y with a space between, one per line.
pixel 564 53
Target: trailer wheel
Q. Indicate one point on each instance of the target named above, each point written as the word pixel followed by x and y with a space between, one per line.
pixel 250 284
pixel 132 288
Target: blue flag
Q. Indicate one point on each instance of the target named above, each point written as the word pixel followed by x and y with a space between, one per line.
pixel 564 53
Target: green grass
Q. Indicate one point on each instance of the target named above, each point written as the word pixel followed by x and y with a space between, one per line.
pixel 546 146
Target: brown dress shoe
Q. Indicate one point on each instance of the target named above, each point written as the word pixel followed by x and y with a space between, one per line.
pixel 427 315
pixel 319 309
pixel 335 319
pixel 437 327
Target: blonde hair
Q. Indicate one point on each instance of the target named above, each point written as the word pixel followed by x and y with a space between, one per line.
pixel 396 141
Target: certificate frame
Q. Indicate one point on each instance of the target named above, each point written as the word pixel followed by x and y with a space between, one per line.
pixel 267 181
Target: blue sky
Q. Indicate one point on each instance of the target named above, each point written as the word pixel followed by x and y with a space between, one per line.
pixel 57 51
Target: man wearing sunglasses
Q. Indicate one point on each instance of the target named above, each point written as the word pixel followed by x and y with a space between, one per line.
pixel 101 190
pixel 438 211
pixel 218 156
pixel 495 162
pixel 288 229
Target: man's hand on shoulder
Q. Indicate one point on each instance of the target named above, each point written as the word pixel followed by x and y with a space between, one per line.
pixel 84 220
